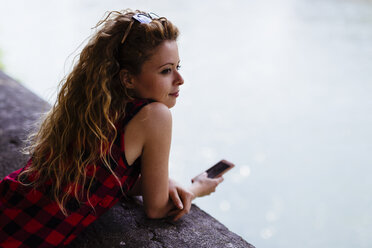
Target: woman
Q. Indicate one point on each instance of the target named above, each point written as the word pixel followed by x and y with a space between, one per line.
pixel 108 135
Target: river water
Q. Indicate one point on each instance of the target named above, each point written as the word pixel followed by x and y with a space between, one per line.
pixel 281 88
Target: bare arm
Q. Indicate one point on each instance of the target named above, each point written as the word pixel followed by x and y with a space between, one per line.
pixel 157 127
pixel 163 196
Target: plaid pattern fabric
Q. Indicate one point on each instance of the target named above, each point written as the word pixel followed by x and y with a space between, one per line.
pixel 29 218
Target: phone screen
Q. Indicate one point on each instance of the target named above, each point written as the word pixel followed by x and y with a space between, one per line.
pixel 217 169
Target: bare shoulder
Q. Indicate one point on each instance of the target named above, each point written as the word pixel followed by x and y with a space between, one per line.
pixel 150 126
pixel 155 115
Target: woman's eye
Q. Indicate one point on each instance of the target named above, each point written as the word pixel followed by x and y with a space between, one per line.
pixel 169 70
pixel 166 71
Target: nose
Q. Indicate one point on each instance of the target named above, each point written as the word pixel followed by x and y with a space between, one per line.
pixel 179 79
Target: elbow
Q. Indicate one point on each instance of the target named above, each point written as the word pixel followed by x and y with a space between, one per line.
pixel 155 214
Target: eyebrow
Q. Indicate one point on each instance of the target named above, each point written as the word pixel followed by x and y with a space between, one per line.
pixel 169 64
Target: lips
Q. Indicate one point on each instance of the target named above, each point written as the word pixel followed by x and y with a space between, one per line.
pixel 175 94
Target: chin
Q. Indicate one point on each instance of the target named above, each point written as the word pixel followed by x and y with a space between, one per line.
pixel 171 105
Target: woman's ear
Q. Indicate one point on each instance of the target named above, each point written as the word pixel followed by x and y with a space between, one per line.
pixel 126 79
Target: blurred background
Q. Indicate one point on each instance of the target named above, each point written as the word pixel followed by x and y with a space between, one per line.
pixel 282 88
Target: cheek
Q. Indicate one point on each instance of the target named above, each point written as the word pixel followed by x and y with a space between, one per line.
pixel 154 86
pixel 144 85
pixel 149 89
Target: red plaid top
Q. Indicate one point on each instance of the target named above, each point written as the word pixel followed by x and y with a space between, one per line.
pixel 29 218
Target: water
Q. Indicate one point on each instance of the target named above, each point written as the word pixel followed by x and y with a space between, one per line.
pixel 281 88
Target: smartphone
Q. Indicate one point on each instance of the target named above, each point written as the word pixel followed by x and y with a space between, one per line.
pixel 218 169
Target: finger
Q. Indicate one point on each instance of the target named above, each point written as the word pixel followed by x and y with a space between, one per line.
pixel 176 199
pixel 182 213
pixel 186 207
pixel 220 179
pixel 186 199
pixel 179 215
pixel 174 212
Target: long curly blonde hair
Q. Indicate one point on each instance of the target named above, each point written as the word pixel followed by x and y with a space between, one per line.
pixel 80 128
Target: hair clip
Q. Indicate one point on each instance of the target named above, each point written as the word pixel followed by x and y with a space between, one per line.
pixel 145 17
pixel 141 18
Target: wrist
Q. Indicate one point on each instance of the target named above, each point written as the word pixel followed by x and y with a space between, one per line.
pixel 195 190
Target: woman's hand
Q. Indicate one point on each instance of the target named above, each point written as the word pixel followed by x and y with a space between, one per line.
pixel 181 198
pixel 203 185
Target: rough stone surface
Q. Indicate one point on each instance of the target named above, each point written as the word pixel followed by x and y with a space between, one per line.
pixel 125 225
pixel 19 110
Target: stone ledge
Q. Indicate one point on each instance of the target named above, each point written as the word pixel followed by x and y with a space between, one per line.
pixel 124 225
